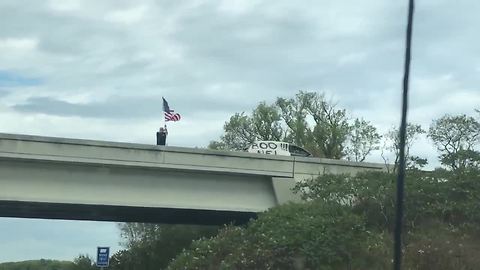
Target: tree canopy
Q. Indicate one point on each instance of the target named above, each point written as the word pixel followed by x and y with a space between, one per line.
pixel 456 138
pixel 82 262
pixel 392 144
pixel 152 246
pixel 307 120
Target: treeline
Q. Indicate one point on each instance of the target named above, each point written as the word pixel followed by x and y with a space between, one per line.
pixel 306 120
pixel 153 246
pixel 310 121
pixel 37 265
pixel 41 264
pixel 82 262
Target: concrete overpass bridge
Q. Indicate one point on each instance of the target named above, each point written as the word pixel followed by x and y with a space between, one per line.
pixel 59 178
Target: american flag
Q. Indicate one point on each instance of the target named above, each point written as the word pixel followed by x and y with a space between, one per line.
pixel 170 115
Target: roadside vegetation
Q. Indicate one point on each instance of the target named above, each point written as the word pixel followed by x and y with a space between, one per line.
pixel 346 222
pixel 82 262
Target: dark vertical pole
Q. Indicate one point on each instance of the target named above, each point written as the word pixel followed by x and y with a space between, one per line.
pixel 397 261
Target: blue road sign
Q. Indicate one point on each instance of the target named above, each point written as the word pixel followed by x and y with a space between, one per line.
pixel 103 256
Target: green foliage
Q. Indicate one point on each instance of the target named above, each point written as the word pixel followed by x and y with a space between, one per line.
pixel 242 130
pixel 392 144
pixel 217 145
pixel 364 138
pixel 441 247
pixel 38 265
pixel 309 235
pixel 369 193
pixel 449 196
pixel 457 139
pixel 331 129
pixel 346 224
pixel 294 113
pixel 238 132
pixel 266 123
pixel 151 246
pixel 84 262
pixel 326 135
pixel 122 260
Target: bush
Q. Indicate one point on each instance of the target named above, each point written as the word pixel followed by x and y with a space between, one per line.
pixel 440 195
pixel 440 246
pixel 346 222
pixel 309 235
pixel 153 246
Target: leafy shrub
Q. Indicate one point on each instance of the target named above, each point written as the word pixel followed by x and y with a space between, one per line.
pixel 311 235
pixel 346 223
pixel 440 246
pixel 443 195
pixel 153 246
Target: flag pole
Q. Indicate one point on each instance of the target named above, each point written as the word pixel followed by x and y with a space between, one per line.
pixel 165 123
pixel 163 115
pixel 169 115
pixel 162 131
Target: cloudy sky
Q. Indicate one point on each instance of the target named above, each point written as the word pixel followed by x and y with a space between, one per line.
pixel 98 69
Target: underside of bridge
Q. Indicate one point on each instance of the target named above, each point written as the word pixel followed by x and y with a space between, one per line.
pixel 19 209
pixel 64 190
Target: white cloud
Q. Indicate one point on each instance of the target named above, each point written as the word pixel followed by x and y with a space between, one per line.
pixel 64 5
pixel 432 97
pixel 236 7
pixel 127 16
pixel 18 45
pixel 352 58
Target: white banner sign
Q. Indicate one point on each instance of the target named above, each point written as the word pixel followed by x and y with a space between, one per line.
pixel 269 148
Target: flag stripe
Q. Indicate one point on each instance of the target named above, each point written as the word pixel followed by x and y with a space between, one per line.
pixel 170 115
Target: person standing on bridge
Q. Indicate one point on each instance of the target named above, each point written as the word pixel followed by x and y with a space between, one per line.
pixel 170 115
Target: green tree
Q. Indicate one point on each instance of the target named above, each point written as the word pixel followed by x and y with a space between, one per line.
pixel 123 260
pixel 392 145
pixel 457 139
pixel 363 139
pixel 84 262
pixel 325 135
pixel 266 123
pixel 449 196
pixel 242 130
pixel 41 264
pixel 331 129
pixel 217 145
pixel 153 246
pixel 294 113
pixel 238 133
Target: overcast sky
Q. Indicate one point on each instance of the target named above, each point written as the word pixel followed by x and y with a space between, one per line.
pixel 98 70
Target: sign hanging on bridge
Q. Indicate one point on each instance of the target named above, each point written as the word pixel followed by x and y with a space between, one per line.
pixel 103 255
pixel 269 148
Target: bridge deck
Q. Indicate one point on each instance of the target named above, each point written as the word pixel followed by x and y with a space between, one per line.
pixel 49 177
